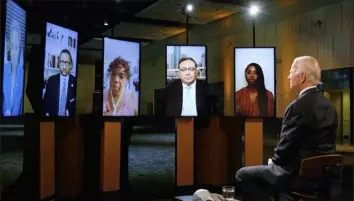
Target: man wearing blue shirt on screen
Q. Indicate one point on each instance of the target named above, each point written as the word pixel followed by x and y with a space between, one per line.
pixel 59 97
pixel 187 95
pixel 13 74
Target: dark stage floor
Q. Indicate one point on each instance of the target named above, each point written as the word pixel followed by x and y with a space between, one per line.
pixel 152 164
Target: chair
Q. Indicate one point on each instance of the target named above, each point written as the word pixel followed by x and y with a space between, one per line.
pixel 320 169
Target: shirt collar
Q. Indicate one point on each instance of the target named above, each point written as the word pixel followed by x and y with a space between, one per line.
pixel 192 86
pixel 64 77
pixel 307 88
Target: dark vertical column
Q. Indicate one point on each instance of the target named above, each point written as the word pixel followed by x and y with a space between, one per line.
pixel 187 28
pixel 254 34
pixel 351 81
pixel 1 50
pixel 97 103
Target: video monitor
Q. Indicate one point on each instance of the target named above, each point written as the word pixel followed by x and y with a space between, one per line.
pixel 60 65
pixel 255 82
pixel 121 82
pixel 14 61
pixel 186 73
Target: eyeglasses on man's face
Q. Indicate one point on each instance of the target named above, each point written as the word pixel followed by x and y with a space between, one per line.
pixel 61 62
pixel 191 69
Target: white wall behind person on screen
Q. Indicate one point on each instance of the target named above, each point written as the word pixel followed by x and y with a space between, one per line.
pixel 262 56
pixel 129 51
pixel 57 39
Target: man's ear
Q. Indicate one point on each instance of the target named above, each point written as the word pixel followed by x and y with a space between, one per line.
pixel 302 77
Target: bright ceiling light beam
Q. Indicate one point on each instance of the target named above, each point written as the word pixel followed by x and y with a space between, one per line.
pixel 254 10
pixel 189 8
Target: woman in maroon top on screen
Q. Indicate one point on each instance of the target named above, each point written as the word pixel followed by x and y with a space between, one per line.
pixel 254 100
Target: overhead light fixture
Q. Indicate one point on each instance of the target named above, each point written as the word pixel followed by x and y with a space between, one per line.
pixel 254 10
pixel 105 23
pixel 189 8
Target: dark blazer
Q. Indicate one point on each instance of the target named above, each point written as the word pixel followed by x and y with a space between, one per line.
pixel 174 98
pixel 309 129
pixel 51 96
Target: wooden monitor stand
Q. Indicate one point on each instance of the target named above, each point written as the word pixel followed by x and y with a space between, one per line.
pixel 253 142
pixel 185 151
pixel 110 156
pixel 46 159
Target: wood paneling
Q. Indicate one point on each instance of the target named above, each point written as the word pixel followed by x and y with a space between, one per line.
pixel 253 142
pixel 211 154
pixel 218 151
pixel 47 159
pixel 332 43
pixel 110 156
pixel 291 29
pixel 69 157
pixel 318 15
pixel 185 151
pixel 85 88
pixel 325 52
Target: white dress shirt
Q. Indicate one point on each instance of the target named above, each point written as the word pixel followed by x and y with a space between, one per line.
pixel 189 105
pixel 307 88
pixel 62 79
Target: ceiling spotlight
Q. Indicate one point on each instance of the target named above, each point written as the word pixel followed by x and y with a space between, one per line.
pixel 189 8
pixel 105 24
pixel 254 10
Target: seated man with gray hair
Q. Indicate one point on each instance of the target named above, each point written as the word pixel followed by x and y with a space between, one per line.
pixel 308 129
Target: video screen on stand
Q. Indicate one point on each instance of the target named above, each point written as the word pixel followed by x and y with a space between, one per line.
pixel 186 83
pixel 14 61
pixel 121 81
pixel 255 82
pixel 60 71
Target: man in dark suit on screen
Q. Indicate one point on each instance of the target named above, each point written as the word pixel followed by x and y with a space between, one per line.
pixel 308 129
pixel 187 96
pixel 59 97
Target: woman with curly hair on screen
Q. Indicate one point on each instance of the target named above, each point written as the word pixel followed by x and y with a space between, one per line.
pixel 254 100
pixel 117 99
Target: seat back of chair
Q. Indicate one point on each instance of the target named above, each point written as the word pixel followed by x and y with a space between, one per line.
pixel 314 167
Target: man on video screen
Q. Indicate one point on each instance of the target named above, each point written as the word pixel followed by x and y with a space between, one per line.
pixel 59 97
pixel 13 73
pixel 187 95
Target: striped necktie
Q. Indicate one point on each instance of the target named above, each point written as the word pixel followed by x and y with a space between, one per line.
pixel 62 103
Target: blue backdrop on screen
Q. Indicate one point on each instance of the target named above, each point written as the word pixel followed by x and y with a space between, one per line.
pixel 13 69
pixel 121 66
pixel 186 80
pixel 60 62
pixel 255 82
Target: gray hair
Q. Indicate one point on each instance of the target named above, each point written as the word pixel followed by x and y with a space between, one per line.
pixel 310 66
pixel 15 26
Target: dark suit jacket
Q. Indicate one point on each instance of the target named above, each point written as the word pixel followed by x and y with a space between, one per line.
pixel 51 96
pixel 309 129
pixel 174 98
